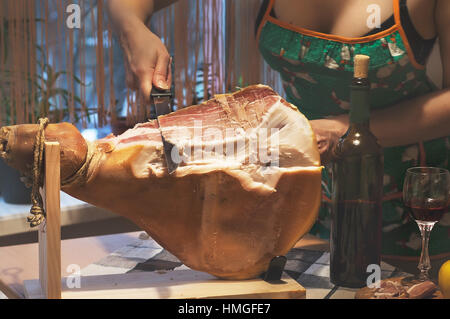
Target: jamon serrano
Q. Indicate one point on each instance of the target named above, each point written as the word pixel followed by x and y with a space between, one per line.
pixel 247 188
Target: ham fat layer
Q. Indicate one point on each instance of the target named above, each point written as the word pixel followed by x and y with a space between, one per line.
pixel 253 135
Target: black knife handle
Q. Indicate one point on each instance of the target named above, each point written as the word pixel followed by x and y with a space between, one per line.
pixel 157 93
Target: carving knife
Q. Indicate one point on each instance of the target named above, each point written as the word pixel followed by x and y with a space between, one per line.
pixel 161 100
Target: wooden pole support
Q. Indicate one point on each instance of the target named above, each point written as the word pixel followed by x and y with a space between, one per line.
pixel 50 229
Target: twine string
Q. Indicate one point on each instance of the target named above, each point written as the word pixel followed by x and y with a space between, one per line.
pixel 37 209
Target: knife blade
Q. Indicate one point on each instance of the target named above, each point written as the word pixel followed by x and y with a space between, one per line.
pixel 161 100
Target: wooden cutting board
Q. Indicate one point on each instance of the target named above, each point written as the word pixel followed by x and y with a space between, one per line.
pixel 368 293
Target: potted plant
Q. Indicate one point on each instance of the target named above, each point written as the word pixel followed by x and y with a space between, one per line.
pixel 12 188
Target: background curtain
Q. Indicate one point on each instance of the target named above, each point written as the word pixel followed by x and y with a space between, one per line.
pixel 77 75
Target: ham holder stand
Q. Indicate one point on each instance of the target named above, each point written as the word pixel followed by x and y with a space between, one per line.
pixel 176 284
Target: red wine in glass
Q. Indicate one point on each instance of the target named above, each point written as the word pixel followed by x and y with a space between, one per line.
pixel 426 194
pixel 430 210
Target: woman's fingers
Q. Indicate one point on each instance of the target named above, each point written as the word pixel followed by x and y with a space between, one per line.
pixel 169 73
pixel 145 83
pixel 130 79
pixel 161 74
pixel 147 62
pixel 328 131
pixel 326 150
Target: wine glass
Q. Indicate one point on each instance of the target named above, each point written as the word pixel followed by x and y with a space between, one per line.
pixel 426 195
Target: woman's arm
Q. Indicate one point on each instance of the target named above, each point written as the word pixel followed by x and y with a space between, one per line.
pixel 427 117
pixel 147 61
pixel 142 9
pixel 417 120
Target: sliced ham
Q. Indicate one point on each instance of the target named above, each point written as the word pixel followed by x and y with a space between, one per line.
pixel 230 206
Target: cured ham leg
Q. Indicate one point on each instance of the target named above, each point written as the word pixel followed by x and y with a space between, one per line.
pixel 247 188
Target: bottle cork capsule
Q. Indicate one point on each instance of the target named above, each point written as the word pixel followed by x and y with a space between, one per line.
pixel 361 66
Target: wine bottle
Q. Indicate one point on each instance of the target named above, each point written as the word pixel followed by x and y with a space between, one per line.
pixel 357 191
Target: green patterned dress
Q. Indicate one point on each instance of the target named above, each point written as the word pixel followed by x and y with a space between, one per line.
pixel 316 70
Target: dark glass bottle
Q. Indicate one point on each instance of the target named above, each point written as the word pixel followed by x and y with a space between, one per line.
pixel 357 191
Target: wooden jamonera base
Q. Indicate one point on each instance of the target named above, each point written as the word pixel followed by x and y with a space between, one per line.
pixel 176 284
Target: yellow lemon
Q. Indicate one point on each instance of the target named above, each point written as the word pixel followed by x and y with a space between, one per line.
pixel 444 279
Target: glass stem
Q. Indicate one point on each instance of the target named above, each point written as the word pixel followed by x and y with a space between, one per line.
pixel 424 263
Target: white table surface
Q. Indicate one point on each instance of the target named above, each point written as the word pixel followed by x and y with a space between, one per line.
pixel 13 218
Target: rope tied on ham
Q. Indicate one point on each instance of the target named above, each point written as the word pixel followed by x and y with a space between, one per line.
pixel 82 175
pixel 37 209
pixel 35 179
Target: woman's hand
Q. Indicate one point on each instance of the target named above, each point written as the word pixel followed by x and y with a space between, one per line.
pixel 328 132
pixel 147 61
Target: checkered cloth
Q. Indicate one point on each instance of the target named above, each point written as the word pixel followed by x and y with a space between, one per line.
pixel 310 268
